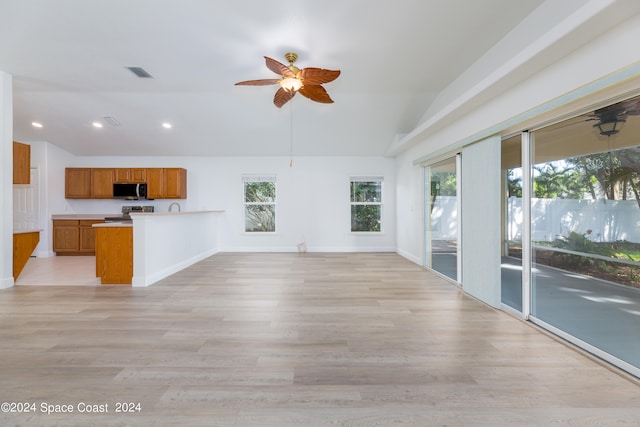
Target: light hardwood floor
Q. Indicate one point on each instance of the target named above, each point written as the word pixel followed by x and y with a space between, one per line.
pixel 295 340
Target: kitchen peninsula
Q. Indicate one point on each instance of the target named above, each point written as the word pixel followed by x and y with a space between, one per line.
pixel 155 245
pixel 24 243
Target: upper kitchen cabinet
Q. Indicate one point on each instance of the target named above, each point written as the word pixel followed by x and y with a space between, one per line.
pixel 166 183
pixel 102 180
pixel 97 183
pixel 155 183
pixel 130 175
pixel 175 183
pixel 77 183
pixel 21 163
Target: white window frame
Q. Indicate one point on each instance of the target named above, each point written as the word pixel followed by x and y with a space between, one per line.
pixel 258 178
pixel 368 178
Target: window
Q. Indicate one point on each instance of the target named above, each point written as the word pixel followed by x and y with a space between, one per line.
pixel 366 204
pixel 259 203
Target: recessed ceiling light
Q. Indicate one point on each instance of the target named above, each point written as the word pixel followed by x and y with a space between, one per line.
pixel 166 125
pixel 36 124
pixel 97 124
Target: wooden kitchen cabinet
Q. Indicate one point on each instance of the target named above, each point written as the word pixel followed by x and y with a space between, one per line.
pixel 130 175
pixel 97 183
pixel 122 175
pixel 166 183
pixel 155 183
pixel 102 180
pixel 77 183
pixel 138 175
pixel 114 255
pixel 175 183
pixel 74 237
pixel 88 235
pixel 66 236
pixel 21 163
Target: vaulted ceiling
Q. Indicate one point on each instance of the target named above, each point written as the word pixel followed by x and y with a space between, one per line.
pixel 69 62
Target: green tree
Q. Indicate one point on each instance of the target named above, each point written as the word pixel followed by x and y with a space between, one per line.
pixel 260 213
pixel 558 180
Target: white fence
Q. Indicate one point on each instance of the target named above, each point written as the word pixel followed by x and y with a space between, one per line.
pixel 608 220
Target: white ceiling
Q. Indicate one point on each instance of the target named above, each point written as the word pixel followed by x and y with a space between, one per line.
pixel 68 60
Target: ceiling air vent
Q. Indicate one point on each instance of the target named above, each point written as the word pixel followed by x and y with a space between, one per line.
pixel 140 72
pixel 111 120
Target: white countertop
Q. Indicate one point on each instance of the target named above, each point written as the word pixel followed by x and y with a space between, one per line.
pixel 26 231
pixel 140 214
pixel 82 216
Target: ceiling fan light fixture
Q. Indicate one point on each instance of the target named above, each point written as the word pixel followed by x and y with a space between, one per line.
pixel 291 84
pixel 610 127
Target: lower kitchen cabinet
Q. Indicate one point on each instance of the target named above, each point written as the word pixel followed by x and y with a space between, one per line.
pixel 114 255
pixel 74 237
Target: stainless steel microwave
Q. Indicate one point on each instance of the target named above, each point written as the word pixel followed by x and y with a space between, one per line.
pixel 129 191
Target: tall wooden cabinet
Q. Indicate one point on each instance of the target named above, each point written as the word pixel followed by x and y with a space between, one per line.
pixel 21 163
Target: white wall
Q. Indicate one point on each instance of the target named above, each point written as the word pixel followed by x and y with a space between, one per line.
pixel 312 197
pixel 6 180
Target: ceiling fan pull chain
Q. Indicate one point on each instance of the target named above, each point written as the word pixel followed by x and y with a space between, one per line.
pixel 291 135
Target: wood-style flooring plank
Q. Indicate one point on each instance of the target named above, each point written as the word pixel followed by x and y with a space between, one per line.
pixel 359 339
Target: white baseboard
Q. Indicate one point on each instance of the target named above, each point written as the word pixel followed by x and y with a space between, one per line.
pixel 6 283
pixel 409 256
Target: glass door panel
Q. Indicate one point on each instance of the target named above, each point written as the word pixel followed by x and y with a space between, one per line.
pixel 442 218
pixel 511 266
pixel 585 216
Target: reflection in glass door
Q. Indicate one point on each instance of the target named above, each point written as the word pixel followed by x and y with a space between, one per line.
pixel 512 234
pixel 441 207
pixel 585 239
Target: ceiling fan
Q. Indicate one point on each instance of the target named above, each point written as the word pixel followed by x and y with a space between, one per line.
pixel 609 119
pixel 307 81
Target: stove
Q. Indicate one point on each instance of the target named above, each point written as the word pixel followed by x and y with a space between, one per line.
pixel 126 210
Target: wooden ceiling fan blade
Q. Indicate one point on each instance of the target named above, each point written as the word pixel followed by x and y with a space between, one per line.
pixel 316 93
pixel 316 76
pixel 282 97
pixel 261 82
pixel 278 67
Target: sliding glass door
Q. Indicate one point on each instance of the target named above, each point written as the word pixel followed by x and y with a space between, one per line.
pixel 585 231
pixel 441 217
pixel 513 221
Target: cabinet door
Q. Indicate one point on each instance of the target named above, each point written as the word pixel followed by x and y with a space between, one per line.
pixel 138 175
pixel 175 183
pixel 77 183
pixel 122 175
pixel 88 235
pixel 21 163
pixel 66 236
pixel 155 183
pixel 102 183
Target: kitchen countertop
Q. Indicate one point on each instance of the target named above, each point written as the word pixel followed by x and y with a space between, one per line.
pixel 27 231
pixel 83 216
pixel 156 214
pixel 114 224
